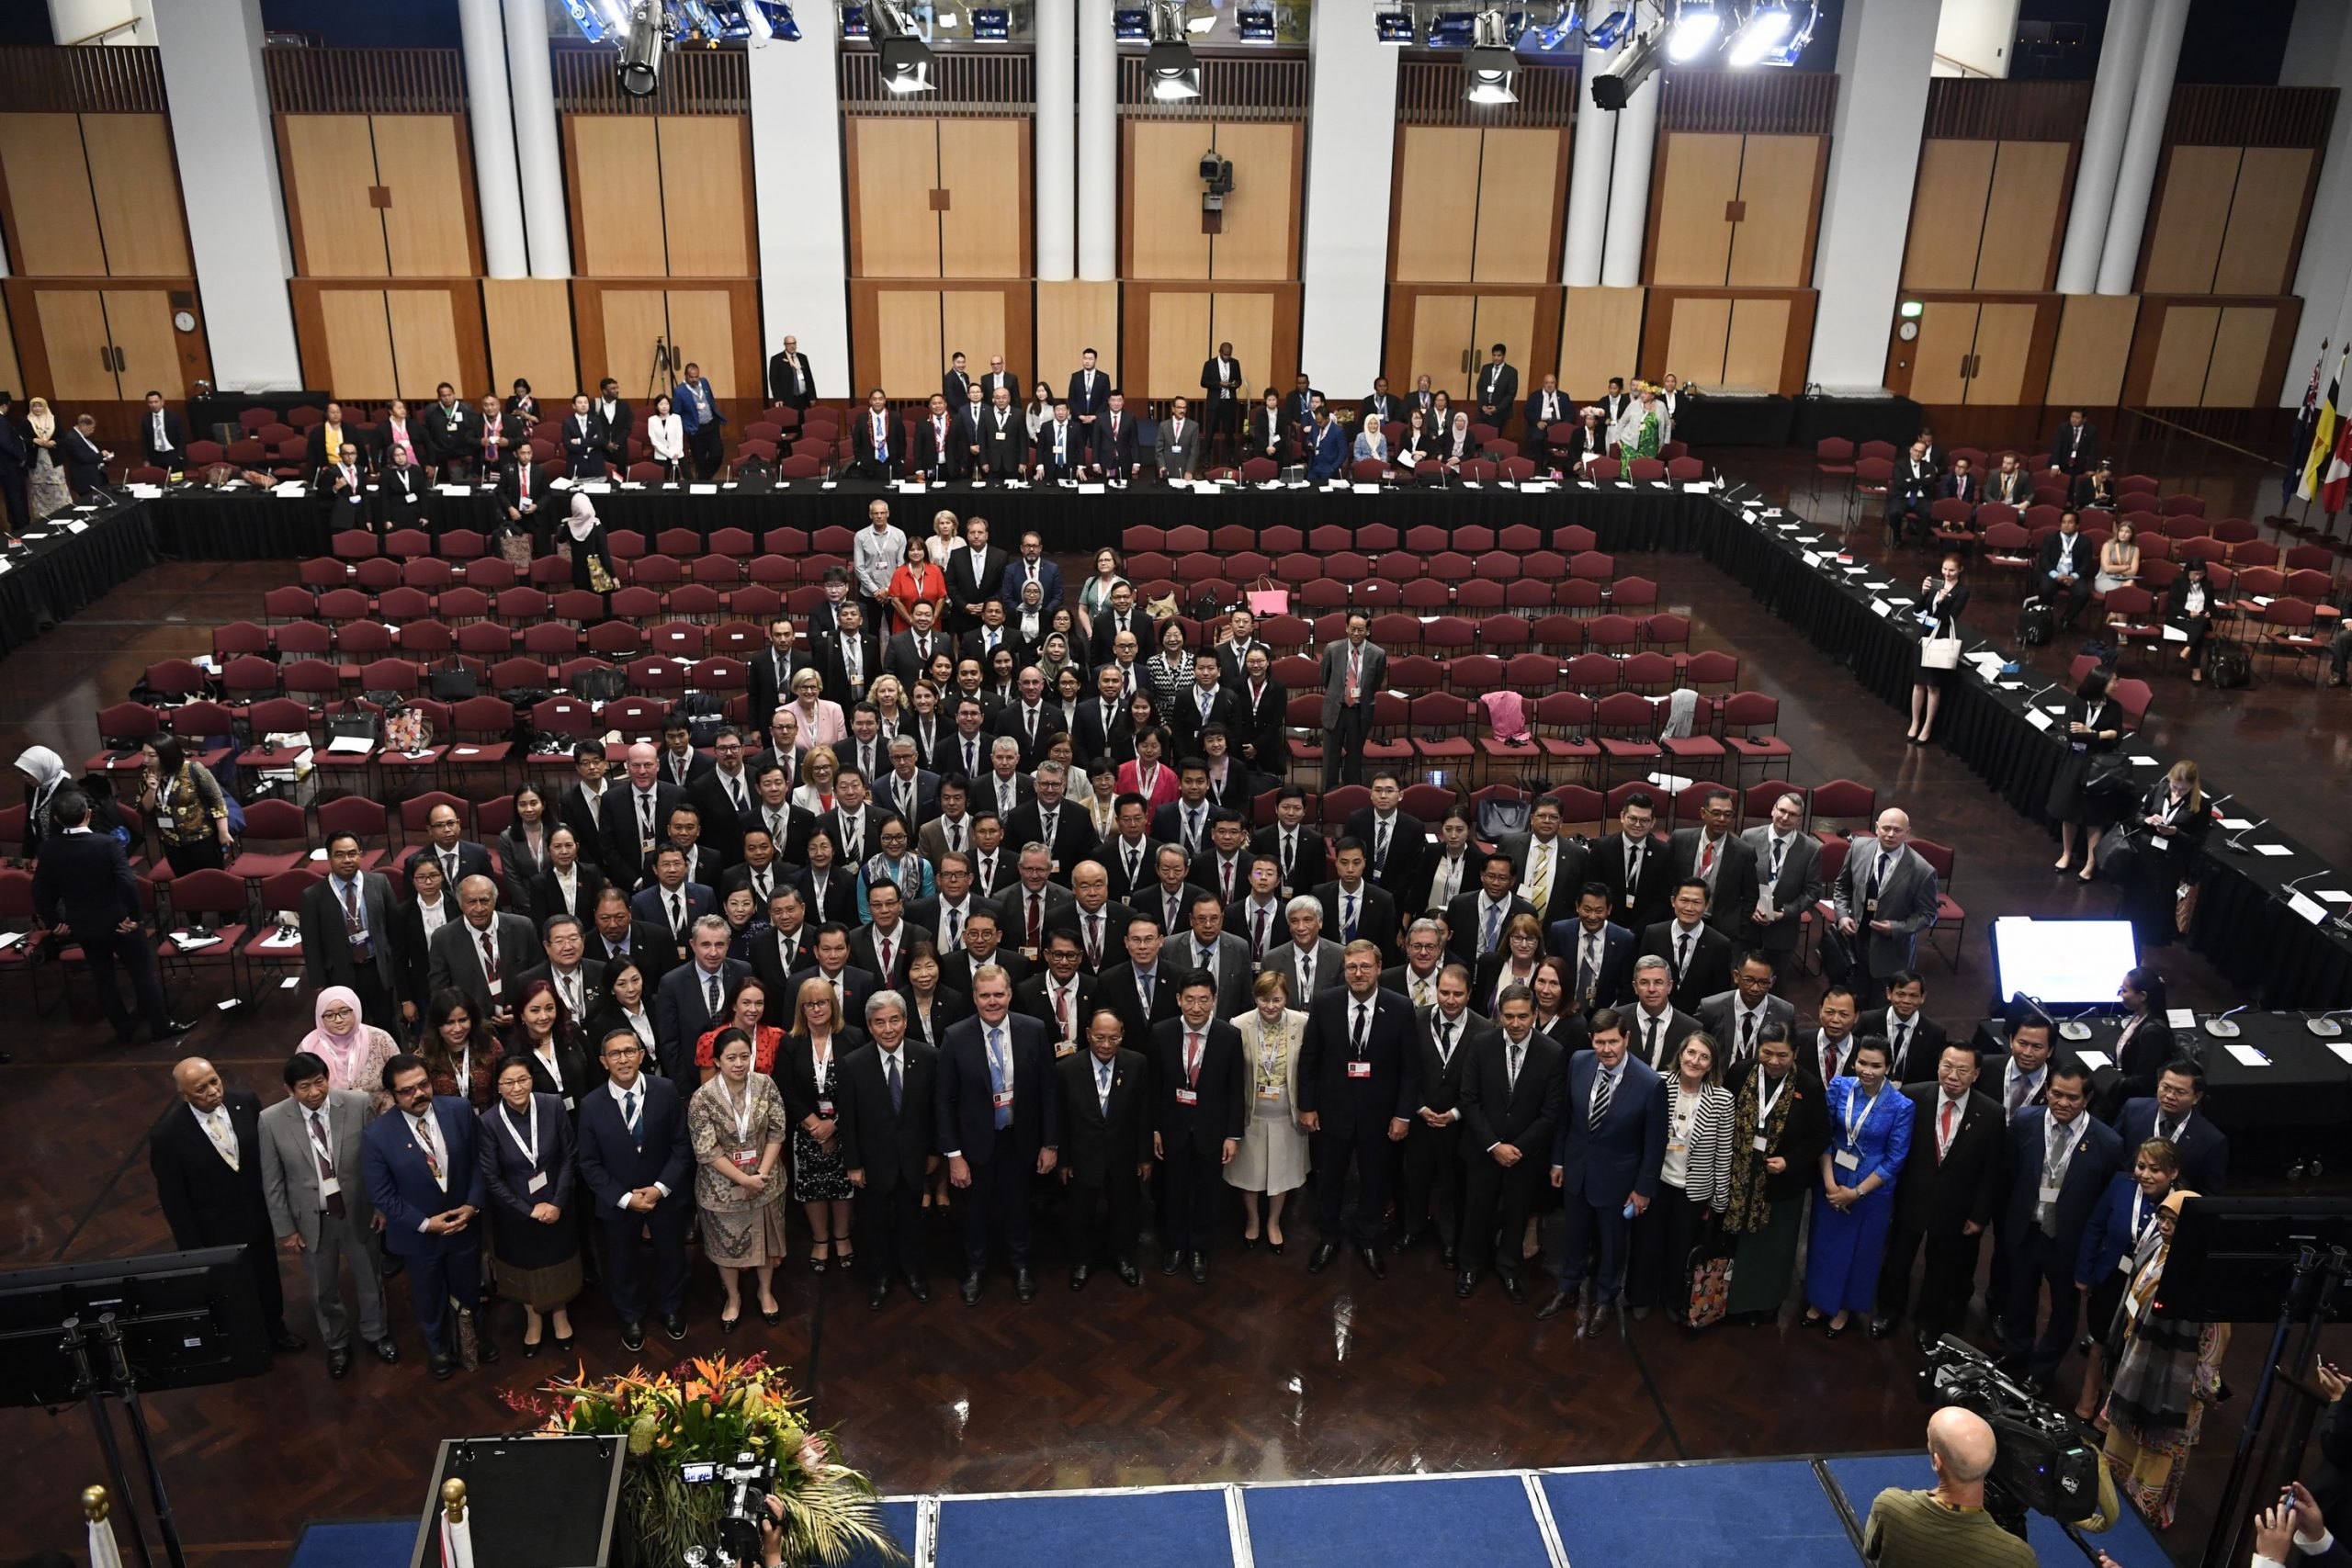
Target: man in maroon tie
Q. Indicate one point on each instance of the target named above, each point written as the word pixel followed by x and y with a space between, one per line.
pixel 1944 1199
pixel 1199 1112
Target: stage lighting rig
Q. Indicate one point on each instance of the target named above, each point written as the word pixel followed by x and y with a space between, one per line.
pixel 1173 70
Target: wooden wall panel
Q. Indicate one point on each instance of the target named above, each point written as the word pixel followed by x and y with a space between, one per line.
pixel 2192 216
pixel 1778 179
pixel 983 167
pixel 1509 319
pixel 529 326
pixel 330 163
pixel 1600 336
pixel 1443 328
pixel 2024 224
pixel 706 325
pixel 906 345
pixel 1939 355
pixel 2094 342
pixel 1755 343
pixel 2241 345
pixel 1259 242
pixel 140 321
pixel 1072 318
pixel 627 321
pixel 10 368
pixel 1162 192
pixel 1948 212
pixel 424 340
pixel 616 178
pixel 2259 250
pixel 1246 321
pixel 2004 348
pixel 1437 204
pixel 2184 352
pixel 1515 236
pixel 1700 330
pixel 897 235
pixel 358 346
pixel 706 199
pixel 1699 178
pixel 54 232
pixel 135 187
pixel 1180 339
pixel 969 316
pixel 418 161
pixel 73 323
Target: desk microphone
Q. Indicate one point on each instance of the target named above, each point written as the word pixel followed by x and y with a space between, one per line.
pixel 2235 843
pixel 2221 1028
pixel 2075 1028
pixel 2287 888
pixel 2030 697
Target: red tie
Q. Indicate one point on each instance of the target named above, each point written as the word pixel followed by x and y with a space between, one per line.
pixel 1061 1009
pixel 489 958
pixel 1036 919
pixel 1706 856
pixel 1259 944
pixel 1192 1061
pixel 1943 1138
pixel 1828 1063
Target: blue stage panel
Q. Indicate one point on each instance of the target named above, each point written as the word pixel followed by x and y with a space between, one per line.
pixel 900 1520
pixel 2130 1542
pixel 358 1543
pixel 1481 1519
pixel 1769 1514
pixel 1135 1529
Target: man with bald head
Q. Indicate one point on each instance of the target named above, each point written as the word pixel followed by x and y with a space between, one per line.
pixel 1945 1528
pixel 1886 896
pixel 483 953
pixel 206 1156
pixel 633 818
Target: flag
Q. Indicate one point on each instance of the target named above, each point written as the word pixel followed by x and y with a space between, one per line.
pixel 103 1552
pixel 457 1542
pixel 2324 433
pixel 2339 470
pixel 2300 443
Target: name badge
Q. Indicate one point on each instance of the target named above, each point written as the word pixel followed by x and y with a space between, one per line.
pixel 746 1159
pixel 1359 1069
pixel 1869 906
pixel 567 1102
pixel 1629 898
pixel 1270 1094
pixel 1192 1097
pixel 1760 1143
pixel 538 1180
pixel 824 1108
pixel 2123 1264
pixel 1064 1048
pixel 1678 1148
pixel 999 435
pixel 329 1185
pixel 1002 1099
pixel 1847 1159
pixel 2050 1194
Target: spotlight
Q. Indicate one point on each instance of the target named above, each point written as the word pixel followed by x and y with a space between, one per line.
pixel 1256 24
pixel 906 59
pixel 1396 26
pixel 1545 32
pixel 1697 27
pixel 993 25
pixel 1173 70
pixel 1609 28
pixel 1775 33
pixel 1489 64
pixel 1641 60
pixel 586 18
pixel 641 60
pixel 1452 29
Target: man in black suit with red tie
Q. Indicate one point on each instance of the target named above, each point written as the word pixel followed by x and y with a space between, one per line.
pixel 1200 1108
pixel 1107 1119
pixel 1944 1199
pixel 1358 1083
pixel 1111 450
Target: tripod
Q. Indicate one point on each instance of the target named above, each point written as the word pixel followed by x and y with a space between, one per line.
pixel 2319 1276
pixel 664 375
pixel 121 1381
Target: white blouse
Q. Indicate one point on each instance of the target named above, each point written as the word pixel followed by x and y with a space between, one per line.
pixel 667 435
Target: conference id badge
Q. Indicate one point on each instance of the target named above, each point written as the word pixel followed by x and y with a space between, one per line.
pixel 1678 1148
pixel 824 1108
pixel 1064 1048
pixel 329 1185
pixel 746 1159
pixel 2049 1194
pixel 1359 1069
pixel 1188 1096
pixel 1270 1093
pixel 1001 1099
pixel 1760 1143
pixel 1847 1159
pixel 538 1180
pixel 999 435
pixel 1869 906
pixel 567 1102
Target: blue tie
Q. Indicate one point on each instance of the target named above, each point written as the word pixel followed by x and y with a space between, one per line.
pixel 1347 925
pixel 628 1111
pixel 1494 928
pixel 996 1078
pixel 891 1061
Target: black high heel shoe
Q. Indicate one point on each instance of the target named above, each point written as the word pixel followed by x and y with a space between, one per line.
pixel 563 1342
pixel 1835 1329
pixel 771 1318
pixel 730 1324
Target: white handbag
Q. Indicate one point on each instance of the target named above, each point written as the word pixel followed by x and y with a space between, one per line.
pixel 1940 653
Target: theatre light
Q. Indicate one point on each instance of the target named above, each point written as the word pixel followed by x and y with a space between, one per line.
pixel 1256 24
pixel 1774 33
pixel 1609 27
pixel 1131 24
pixel 1169 64
pixel 906 59
pixel 1697 27
pixel 1489 64
pixel 1640 61
pixel 1544 29
pixel 1396 26
pixel 641 60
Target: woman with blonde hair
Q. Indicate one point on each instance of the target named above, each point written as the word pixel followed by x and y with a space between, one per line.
pixel 737 1124
pixel 945 537
pixel 821 723
pixel 1273 1160
pixel 808 1071
pixel 2175 819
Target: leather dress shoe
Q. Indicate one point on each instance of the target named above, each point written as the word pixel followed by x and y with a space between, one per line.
pixel 971 1288
pixel 1078 1276
pixel 1322 1256
pixel 338 1362
pixel 1024 1285
pixel 917 1289
pixel 1559 1303
pixel 1511 1286
pixel 1371 1255
pixel 877 1293
pixel 385 1351
pixel 442 1366
pixel 1596 1322
pixel 674 1326
pixel 486 1350
pixel 1882 1325
pixel 1404 1240
pixel 1467 1283
pixel 1200 1268
pixel 286 1340
pixel 1171 1260
pixel 633 1335
pixel 173 1028
pixel 1129 1273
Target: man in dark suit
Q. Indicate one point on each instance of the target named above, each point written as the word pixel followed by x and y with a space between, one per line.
pixel 1201 1106
pixel 1142 989
pixel 481 953
pixel 1498 389
pixel 85 878
pixel 1654 1027
pixel 1298 850
pixel 585 441
pixel 1787 872
pixel 671 902
pixel 1511 1084
pixel 1358 1086
pixel 634 817
pixel 690 1000
pixel 206 1156
pixel 1885 898
pixel 1443 1034
pixel 1110 446
pixel 997 378
pixel 1354 907
pixel 1094 916
pixel 1354 670
pixel 887 1122
pixel 1107 1121
pixel 163 436
pixel 459 856
pixel 877 442
pixel 1724 863
pixel 791 382
pixel 2073 446
pixel 427 1187
pixel 448 435
pixel 1060 449
pixel 348 925
pixel 1547 862
pixel 619 934
pixel 1633 863
pixel 1600 952
pixel 86 460
pixel 1605 1160
pixel 976 572
pixel 2060 1157
pixel 956 386
pixel 1915 1039
pixel 1396 841
pixel 788 947
pixel 613 412
pixel 1698 957
pixel 771 672
pixel 1176 452
pixel 1944 1199
pixel 1062 994
pixel 1908 494
pixel 996 442
pixel 999 1118
pixel 1090 392
pixel 1267 433
pixel 2174 1115
pixel 1546 406
pixel 1383 407
pixel 1120 615
pixel 1961 484
pixel 1736 1018
pixel 908 654
pixel 1050 819
pixel 937 456
pixel 1479 920
pixel 726 798
pixel 2065 568
pixel 1221 384
pixel 637 1162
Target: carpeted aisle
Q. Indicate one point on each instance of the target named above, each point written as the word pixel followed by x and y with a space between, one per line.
pixel 1486 1520
pixel 2130 1542
pixel 1764 1514
pixel 1185 1528
pixel 355 1543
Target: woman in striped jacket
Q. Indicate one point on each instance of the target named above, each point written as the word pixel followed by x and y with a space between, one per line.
pixel 1694 1184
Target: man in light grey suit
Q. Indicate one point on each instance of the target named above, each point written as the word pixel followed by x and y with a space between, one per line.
pixel 1788 877
pixel 484 953
pixel 319 1207
pixel 1354 669
pixel 1207 944
pixel 1886 893
pixel 1306 961
pixel 1737 1018
pixel 1178 450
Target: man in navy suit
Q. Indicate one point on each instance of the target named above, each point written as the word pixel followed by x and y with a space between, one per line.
pixel 84 877
pixel 670 902
pixel 691 1000
pixel 1199 1109
pixel 2060 1158
pixel 2172 1115
pixel 1000 1118
pixel 426 1186
pixel 1031 566
pixel 1090 392
pixel 886 1122
pixel 1327 447
pixel 1359 1080
pixel 637 1162
pixel 1605 1161
pixel 1600 952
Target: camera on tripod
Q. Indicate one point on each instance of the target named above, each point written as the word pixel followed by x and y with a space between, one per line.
pixel 742 1513
pixel 2040 1461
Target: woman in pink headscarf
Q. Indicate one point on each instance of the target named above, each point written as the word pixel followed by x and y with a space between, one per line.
pixel 355 1052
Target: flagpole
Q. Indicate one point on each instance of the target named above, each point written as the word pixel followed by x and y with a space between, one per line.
pixel 104 1554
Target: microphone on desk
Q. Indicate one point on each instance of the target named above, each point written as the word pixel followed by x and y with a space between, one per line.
pixel 2290 886
pixel 2235 843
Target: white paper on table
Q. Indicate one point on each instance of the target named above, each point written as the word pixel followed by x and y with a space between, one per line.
pixel 2272 849
pixel 702 489
pixel 350 745
pixel 455 489
pixel 2331 896
pixel 1093 488
pixel 2144 761
pixel 1811 558
pixel 729 484
pixel 1529 487
pixel 1472 484
pixel 291 488
pixel 835 484
pixel 1880 608
pixel 2237 824
pixel 1586 484
pixel 2095 1060
pixel 2245 1056
pixel 1365 490
pixel 2010 685
pixel 595 486
pixel 2181 1018
pixel 2343 1051
pixel 2173 634
pixel 1747 517
pixel 288 983
pixel 77 527
pixel 2306 905
pixel 2038 719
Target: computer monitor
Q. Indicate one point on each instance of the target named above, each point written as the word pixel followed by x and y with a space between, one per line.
pixel 2061 964
pixel 2233 1259
pixel 185 1318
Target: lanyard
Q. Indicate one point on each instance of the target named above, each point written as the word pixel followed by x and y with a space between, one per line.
pixel 531 1149
pixel 1764 1103
pixel 742 1112
pixel 1854 1124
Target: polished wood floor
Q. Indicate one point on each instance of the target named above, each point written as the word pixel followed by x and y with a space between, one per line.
pixel 1267 1372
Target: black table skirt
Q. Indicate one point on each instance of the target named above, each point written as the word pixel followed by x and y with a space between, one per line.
pixel 1855 419
pixel 68 572
pixel 1707 423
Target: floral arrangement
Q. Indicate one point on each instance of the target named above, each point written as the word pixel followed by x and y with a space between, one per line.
pixel 714 1410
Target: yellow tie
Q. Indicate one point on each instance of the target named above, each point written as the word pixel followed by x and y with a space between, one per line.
pixel 1541 888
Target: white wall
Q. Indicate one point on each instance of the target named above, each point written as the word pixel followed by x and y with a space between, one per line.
pixel 1974 37
pixel 2319 54
pixel 1351 149
pixel 75 21
pixel 804 245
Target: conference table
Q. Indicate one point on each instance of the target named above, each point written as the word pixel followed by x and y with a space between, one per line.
pixel 70 562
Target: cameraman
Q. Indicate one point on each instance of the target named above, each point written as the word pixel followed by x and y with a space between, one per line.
pixel 1947 1528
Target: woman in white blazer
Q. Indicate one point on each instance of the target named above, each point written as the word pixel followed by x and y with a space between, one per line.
pixel 1694 1184
pixel 1274 1155
pixel 666 435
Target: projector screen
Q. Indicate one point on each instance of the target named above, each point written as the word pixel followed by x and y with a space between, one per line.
pixel 2066 963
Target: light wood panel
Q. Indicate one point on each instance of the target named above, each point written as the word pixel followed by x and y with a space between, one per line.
pixel 1180 339
pixel 73 331
pixel 1940 353
pixel 632 319
pixel 1509 319
pixel 135 187
pixel 1948 212
pixel 147 350
pixel 1776 183
pixel 1246 321
pixel 1693 234
pixel 969 316
pixel 1516 175
pixel 1755 343
pixel 2021 227
pixel 1437 204
pixel 616 193
pixel 529 323
pixel 2094 342
pixel 2192 216
pixel 2241 345
pixel 425 339
pixel 702 329
pixel 2184 352
pixel 1261 214
pixel 980 165
pixel 1163 198
pixel 1072 318
pixel 9 367
pixel 1601 334
pixel 48 196
pixel 331 160
pixel 2258 250
pixel 704 206
pixel 1696 337
pixel 894 233
pixel 418 163
pixel 907 342
pixel 358 344
pixel 2004 345
pixel 1444 325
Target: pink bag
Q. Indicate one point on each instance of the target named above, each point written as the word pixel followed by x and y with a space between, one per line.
pixel 1506 716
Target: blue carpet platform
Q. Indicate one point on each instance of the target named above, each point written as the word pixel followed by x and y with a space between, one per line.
pixel 1785 1513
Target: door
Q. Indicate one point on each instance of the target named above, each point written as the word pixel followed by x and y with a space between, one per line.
pixel 146 348
pixel 1509 319
pixel 1997 366
pixel 1443 328
pixel 81 354
pixel 1940 353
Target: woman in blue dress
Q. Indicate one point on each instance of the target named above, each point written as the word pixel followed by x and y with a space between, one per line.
pixel 1869 1135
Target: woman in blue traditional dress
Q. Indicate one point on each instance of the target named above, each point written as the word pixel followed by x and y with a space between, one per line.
pixel 1869 1135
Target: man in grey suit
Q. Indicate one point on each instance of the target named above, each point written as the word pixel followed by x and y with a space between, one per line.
pixel 319 1207
pixel 1354 669
pixel 1788 877
pixel 1306 961
pixel 1887 890
pixel 484 953
pixel 1178 450
pixel 1547 862
pixel 346 924
pixel 1207 944
pixel 1735 1018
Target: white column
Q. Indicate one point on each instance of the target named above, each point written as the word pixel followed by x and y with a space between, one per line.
pixel 1351 148
pixel 1596 139
pixel 2110 116
pixel 1629 187
pixel 538 145
pixel 799 198
pixel 1056 183
pixel 2319 54
pixel 1884 48
pixel 497 188
pixel 2135 175
pixel 1097 146
pixel 227 151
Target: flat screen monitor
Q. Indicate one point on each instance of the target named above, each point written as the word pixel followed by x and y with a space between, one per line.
pixel 533 1501
pixel 2063 963
pixel 2233 1259
pixel 186 1319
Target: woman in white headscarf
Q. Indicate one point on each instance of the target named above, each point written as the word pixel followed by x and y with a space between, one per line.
pixel 49 489
pixel 44 772
pixel 582 536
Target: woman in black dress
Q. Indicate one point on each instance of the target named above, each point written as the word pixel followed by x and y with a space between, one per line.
pixel 544 1039
pixel 1942 599
pixel 525 1160
pixel 2144 1046
pixel 2174 821
pixel 565 885
pixel 580 537
pixel 931 1009
pixel 2094 725
pixel 807 1070
pixel 2189 604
